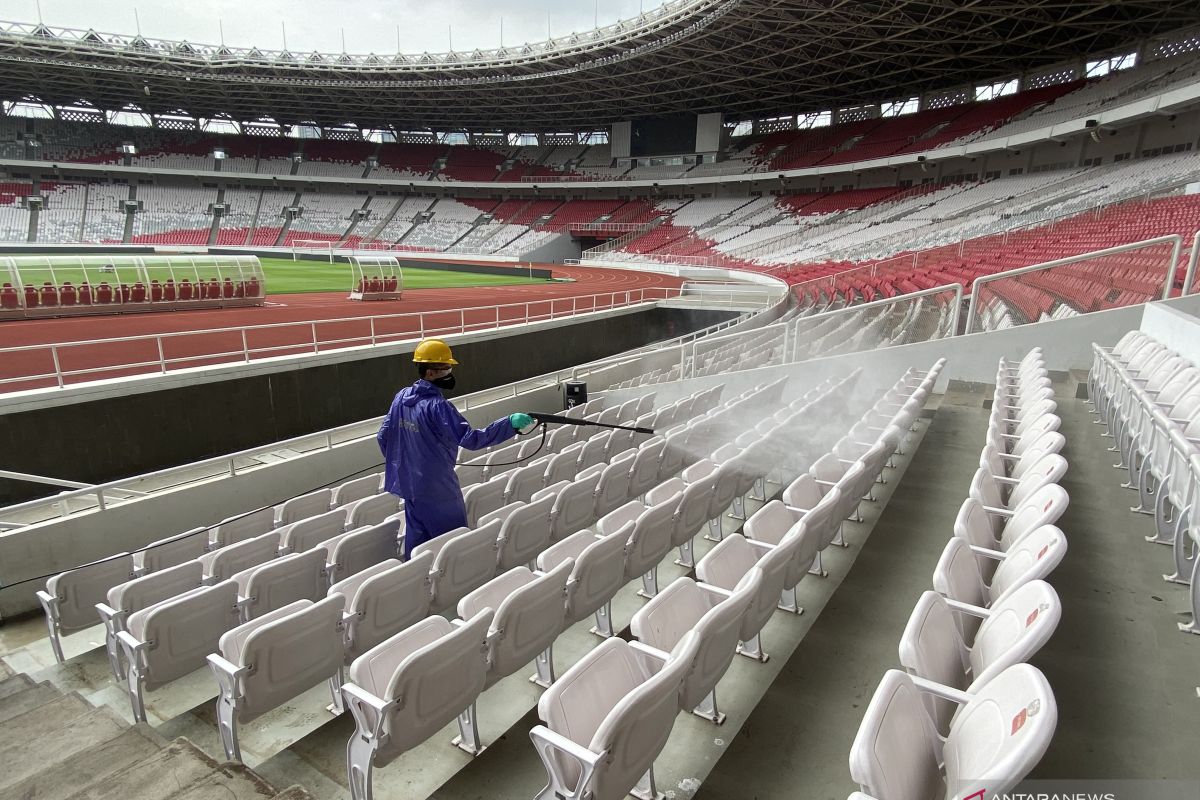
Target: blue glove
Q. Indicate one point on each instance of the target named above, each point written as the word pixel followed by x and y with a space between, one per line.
pixel 522 423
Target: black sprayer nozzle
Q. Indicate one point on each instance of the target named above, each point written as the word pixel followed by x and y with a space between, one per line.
pixel 561 420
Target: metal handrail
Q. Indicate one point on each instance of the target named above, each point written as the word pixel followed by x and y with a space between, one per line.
pixel 1174 239
pixel 244 354
pixel 1190 275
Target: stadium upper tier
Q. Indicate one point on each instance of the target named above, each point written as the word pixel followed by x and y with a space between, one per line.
pixel 746 58
pixel 947 124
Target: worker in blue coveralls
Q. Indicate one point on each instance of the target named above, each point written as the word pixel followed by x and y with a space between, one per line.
pixel 420 437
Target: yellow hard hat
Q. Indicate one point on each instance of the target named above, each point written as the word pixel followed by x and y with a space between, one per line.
pixel 433 351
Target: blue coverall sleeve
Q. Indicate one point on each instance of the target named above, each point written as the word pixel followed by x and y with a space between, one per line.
pixel 385 429
pixel 460 432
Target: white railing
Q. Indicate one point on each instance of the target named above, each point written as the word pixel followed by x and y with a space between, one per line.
pixel 238 344
pixel 1175 241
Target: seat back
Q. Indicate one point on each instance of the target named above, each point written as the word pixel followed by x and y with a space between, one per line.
pixel 613 489
pixel 529 620
pixel 770 523
pixel 594 450
pixel 674 457
pixel 635 731
pixel 810 533
pixel 371 510
pixel 310 532
pixel 364 548
pixel 384 600
pixel 575 506
pixel 172 551
pixel 957 577
pixel 896 752
pixel 305 506
pixel 1032 558
pixel 78 590
pixel 651 538
pixel 727 562
pixel 1042 507
pixel 438 681
pixel 223 564
pixel 299 576
pixel 598 574
pixel 247 526
pixel 643 473
pixel 1049 468
pixel 139 593
pixel 357 489
pixel 1002 733
pixel 1017 628
pixel 523 482
pixel 184 629
pixel 484 498
pixel 559 467
pixel 287 654
pixel 465 562
pixel 932 647
pixel 524 534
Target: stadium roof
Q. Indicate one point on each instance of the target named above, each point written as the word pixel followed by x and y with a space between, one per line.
pixel 747 58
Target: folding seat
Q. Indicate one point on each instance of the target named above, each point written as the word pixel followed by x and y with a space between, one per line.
pixel 998 735
pixel 715 617
pixel 170 639
pixel 1017 443
pixel 221 565
pixel 775 521
pixel 272 659
pixel 598 574
pixel 442 665
pixel 562 436
pixel 463 560
pixel 643 471
pixel 524 532
pixel 357 489
pixel 726 565
pixel 383 600
pixel 675 456
pixel 242 527
pixel 484 498
pixel 610 416
pixel 372 510
pixel 1012 631
pixel 523 482
pixel 648 542
pixel 691 513
pixel 1003 464
pixel 594 451
pixel 265 588
pixel 607 719
pixel 468 474
pixel 997 491
pixel 310 532
pixel 530 611
pixel 628 411
pixel 574 505
pixel 70 597
pixel 351 553
pixel 645 404
pixel 613 489
pixel 171 552
pixel 999 529
pixel 304 506
pixel 132 596
pixel 559 467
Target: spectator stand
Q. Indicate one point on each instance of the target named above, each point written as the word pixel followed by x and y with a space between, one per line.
pixel 71 285
pixel 375 278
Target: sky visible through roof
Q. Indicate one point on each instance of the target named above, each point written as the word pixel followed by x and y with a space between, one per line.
pixel 367 25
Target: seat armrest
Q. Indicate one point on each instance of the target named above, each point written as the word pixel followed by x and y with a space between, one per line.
pixel 986 553
pixel 762 547
pixel 1000 512
pixel 799 512
pixel 651 656
pixel 967 608
pixel 941 690
pixel 1000 479
pixel 544 738
pixel 110 615
pixel 229 676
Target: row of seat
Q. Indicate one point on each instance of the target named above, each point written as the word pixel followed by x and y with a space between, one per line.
pixel 968 715
pixel 1148 398
pixel 609 716
pixel 70 598
pixel 85 294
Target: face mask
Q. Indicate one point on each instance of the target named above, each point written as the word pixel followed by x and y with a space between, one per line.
pixel 445 383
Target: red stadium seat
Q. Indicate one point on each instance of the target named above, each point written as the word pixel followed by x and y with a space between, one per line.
pixel 169 293
pixel 253 289
pixel 214 290
pixel 49 294
pixel 227 289
pixel 67 294
pixel 8 297
pixel 185 289
pixel 104 293
pixel 125 293
pixel 85 294
pixel 156 292
pixel 31 297
pixel 138 294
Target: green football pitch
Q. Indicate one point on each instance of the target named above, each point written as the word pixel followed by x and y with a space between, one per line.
pixel 285 276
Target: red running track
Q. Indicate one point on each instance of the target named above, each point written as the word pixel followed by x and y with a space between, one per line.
pixel 300 317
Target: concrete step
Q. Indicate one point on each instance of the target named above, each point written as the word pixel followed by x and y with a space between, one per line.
pixel 48 751
pixel 58 713
pixel 296 792
pixel 13 684
pixel 156 777
pixel 228 782
pixel 38 695
pixel 92 766
pixel 6 671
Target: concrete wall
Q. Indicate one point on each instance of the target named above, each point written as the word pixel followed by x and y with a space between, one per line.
pixel 555 251
pixel 122 436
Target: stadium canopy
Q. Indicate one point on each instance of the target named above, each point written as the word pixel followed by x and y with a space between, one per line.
pixel 746 58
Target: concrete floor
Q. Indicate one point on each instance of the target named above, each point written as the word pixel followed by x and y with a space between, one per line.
pixel 1124 677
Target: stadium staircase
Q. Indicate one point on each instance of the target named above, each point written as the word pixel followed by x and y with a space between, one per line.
pixel 55 745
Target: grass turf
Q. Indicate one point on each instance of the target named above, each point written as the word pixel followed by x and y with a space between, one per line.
pixel 285 276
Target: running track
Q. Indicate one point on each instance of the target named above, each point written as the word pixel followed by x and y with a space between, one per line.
pixel 299 312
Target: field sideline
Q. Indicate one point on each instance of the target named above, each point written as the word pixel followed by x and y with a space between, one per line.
pixel 285 276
